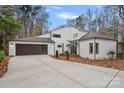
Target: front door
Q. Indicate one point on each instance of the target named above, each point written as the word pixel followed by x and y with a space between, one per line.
pixel 73 49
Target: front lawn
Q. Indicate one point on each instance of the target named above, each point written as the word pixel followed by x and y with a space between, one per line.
pixel 116 64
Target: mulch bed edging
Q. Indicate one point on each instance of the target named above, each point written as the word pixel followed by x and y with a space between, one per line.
pixel 4 66
pixel 115 64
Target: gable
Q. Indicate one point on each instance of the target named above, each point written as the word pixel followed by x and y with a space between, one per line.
pixel 66 29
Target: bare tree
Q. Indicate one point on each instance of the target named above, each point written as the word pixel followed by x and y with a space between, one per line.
pixel 89 15
pixel 121 11
pixel 27 15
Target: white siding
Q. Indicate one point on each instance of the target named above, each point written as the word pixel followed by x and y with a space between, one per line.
pixel 12 47
pixel 104 47
pixel 45 35
pixel 80 34
pixel 66 35
pixel 84 49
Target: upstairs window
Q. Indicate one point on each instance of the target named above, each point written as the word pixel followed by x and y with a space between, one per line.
pixel 75 35
pixel 91 48
pixel 56 36
pixel 59 46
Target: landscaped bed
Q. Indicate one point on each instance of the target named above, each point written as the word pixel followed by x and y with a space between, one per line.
pixel 116 64
pixel 4 60
pixel 4 66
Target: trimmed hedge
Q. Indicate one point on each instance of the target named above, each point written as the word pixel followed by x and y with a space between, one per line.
pixel 1 55
pixel 57 53
pixel 67 55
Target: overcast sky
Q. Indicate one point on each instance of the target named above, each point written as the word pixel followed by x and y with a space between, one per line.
pixel 60 13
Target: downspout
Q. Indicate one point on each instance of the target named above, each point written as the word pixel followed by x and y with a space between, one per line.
pixel 79 47
pixel 117 43
pixel 94 48
pixel 62 48
pixel 54 49
pixel 116 48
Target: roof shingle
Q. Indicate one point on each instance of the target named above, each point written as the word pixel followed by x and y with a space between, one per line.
pixel 96 35
pixel 35 39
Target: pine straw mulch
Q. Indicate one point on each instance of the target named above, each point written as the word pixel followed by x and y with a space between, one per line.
pixel 115 63
pixel 4 66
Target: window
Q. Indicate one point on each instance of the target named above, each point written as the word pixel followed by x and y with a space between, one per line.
pixel 44 49
pixel 59 46
pixel 75 35
pixel 97 48
pixel 56 36
pixel 91 48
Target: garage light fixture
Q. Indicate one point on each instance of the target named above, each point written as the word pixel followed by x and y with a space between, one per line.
pixel 11 44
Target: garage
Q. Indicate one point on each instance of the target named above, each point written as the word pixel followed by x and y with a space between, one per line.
pixel 31 49
pixel 31 46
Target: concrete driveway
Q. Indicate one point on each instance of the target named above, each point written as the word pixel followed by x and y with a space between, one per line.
pixel 44 71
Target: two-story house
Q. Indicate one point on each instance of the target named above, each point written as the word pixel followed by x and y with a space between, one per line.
pixel 64 37
pixel 92 45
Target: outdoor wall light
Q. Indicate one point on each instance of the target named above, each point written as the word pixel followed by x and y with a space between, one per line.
pixel 11 44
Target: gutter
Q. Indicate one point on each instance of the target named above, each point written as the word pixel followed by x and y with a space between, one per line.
pixel 79 49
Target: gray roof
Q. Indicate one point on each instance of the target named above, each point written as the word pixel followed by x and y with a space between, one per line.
pixel 35 39
pixel 100 35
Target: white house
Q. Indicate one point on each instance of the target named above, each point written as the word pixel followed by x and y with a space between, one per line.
pixel 96 45
pixel 62 37
pixel 92 45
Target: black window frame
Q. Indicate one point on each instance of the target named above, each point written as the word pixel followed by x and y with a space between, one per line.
pixel 59 46
pixel 97 48
pixel 91 48
pixel 56 35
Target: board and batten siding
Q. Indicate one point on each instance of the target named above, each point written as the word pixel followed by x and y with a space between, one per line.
pixel 104 47
pixel 12 47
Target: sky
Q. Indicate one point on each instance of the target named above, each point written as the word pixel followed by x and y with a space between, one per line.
pixel 58 14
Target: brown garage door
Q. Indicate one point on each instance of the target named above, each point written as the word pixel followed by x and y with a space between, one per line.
pixel 31 49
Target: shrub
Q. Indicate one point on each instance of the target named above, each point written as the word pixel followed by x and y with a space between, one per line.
pixel 120 55
pixel 67 55
pixel 57 53
pixel 1 55
pixel 65 52
pixel 111 53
